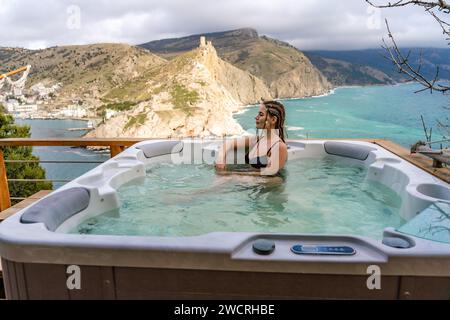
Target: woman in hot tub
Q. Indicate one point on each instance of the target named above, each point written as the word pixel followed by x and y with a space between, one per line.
pixel 267 154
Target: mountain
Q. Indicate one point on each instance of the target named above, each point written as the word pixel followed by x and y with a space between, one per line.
pixel 85 72
pixel 359 67
pixel 345 73
pixel 10 54
pixel 169 48
pixel 286 71
pixel 289 72
pixel 194 94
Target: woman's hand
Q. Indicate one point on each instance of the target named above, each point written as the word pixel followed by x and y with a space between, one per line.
pixel 221 166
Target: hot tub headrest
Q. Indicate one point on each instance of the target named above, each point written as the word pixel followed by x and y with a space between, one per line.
pixel 57 208
pixel 348 150
pixel 158 149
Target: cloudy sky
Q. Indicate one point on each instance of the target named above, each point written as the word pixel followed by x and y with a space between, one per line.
pixel 307 24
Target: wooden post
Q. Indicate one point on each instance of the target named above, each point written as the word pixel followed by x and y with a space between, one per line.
pixel 115 150
pixel 5 201
pixel 437 164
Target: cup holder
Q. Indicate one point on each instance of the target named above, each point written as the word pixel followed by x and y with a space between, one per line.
pixel 435 191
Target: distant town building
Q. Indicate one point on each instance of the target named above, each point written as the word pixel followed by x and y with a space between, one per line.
pixel 30 100
pixel 74 111
pixel 11 105
pixel 43 92
pixel 26 108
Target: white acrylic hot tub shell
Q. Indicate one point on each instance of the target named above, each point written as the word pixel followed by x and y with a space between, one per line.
pixel 231 251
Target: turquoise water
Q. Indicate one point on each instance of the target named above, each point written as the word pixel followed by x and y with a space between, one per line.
pixel 58 129
pixel 384 112
pixel 316 197
pixel 432 224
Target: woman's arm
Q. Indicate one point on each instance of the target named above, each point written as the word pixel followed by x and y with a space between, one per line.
pixel 276 160
pixel 228 145
pixel 240 173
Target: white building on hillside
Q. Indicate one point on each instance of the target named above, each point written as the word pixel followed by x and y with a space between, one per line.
pixel 74 111
pixel 11 105
pixel 43 92
pixel 27 108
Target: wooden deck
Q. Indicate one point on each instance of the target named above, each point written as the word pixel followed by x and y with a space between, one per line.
pixel 418 160
pixel 21 205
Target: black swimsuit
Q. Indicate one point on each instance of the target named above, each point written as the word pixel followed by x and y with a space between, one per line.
pixel 259 162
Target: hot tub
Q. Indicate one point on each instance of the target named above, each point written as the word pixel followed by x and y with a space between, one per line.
pixel 125 230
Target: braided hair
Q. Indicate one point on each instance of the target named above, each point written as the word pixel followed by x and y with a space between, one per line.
pixel 276 109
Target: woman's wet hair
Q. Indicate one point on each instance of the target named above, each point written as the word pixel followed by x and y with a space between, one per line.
pixel 276 109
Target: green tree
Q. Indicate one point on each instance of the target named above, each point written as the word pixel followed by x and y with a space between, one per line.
pixel 8 129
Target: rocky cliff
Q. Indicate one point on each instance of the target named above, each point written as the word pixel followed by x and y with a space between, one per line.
pixel 194 94
pixel 285 70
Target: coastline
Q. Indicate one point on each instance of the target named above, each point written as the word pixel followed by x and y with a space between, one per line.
pixel 245 108
pixel 329 93
pixel 333 91
pixel 59 118
pixel 335 111
pixel 375 85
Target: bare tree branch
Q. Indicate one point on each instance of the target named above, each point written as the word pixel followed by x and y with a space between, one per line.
pixel 403 65
pixel 441 5
pixel 443 24
pixel 400 61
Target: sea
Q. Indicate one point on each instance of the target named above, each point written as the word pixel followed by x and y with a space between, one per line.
pixel 60 129
pixel 383 112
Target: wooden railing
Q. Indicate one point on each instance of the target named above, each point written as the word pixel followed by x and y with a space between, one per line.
pixel 116 146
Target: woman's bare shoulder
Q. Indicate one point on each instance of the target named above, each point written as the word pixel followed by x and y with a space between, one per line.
pixel 283 149
pixel 281 144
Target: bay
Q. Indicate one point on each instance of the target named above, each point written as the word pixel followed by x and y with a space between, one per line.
pixel 59 129
pixel 383 112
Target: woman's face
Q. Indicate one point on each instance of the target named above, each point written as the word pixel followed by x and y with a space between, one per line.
pixel 264 121
pixel 261 118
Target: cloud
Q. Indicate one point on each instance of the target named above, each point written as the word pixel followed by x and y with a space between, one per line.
pixel 308 24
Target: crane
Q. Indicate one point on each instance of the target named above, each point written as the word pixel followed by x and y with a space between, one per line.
pixel 16 86
pixel 11 73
